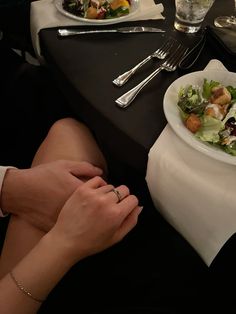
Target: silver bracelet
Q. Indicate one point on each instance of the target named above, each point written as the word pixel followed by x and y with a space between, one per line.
pixel 22 288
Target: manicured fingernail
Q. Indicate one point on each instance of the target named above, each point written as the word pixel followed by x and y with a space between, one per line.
pixel 140 208
pixel 99 169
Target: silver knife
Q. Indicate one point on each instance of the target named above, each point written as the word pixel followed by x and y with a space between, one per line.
pixel 63 32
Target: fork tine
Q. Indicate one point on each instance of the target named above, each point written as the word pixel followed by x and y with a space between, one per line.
pixel 172 62
pixel 170 65
pixel 162 52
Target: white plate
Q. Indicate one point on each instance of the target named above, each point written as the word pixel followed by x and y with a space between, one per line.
pixel 173 116
pixel 133 10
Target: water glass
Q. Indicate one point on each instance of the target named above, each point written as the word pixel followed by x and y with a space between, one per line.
pixel 226 20
pixel 190 14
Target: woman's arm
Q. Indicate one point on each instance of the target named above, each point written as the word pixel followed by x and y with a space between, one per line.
pixel 91 221
pixel 35 196
pixel 38 273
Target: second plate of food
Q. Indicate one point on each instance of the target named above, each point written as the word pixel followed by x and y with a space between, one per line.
pixel 121 17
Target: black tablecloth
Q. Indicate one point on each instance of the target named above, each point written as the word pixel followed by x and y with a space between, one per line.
pixel 153 270
pixel 86 65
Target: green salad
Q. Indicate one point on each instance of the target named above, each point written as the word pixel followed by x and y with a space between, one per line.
pixel 97 9
pixel 209 112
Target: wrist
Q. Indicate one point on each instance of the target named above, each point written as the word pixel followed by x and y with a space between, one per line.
pixel 43 267
pixel 63 248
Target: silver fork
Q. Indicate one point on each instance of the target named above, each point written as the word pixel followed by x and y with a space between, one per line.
pixel 160 53
pixel 169 65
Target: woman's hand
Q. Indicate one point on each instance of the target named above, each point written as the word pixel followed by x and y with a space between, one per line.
pixel 94 218
pixel 38 194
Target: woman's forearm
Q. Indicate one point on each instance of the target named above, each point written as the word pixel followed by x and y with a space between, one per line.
pixel 38 273
pixel 92 220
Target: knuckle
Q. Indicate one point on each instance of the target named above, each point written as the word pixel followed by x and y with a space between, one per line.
pixel 125 189
pixel 133 199
pixel 110 186
pixel 81 189
pixel 102 199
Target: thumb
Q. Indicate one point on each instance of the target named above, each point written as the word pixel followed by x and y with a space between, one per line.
pixel 85 169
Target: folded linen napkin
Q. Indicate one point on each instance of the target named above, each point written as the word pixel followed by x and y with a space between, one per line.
pixel 43 14
pixel 195 193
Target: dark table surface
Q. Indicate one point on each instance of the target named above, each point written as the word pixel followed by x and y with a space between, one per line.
pixel 86 65
pixel 153 270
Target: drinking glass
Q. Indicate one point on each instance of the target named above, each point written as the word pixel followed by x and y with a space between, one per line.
pixel 226 21
pixel 190 14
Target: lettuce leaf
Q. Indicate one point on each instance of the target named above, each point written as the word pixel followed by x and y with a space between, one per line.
pixel 209 131
pixel 207 88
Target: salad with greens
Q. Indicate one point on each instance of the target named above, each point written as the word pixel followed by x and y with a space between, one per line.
pixel 209 112
pixel 97 9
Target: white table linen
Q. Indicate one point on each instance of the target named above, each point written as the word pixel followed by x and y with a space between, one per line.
pixel 43 14
pixel 195 193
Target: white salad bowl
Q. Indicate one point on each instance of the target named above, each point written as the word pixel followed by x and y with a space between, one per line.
pixel 172 112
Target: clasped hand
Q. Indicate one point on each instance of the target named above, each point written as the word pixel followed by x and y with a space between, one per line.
pixel 38 194
pixel 93 219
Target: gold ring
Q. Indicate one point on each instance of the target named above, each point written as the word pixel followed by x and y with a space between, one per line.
pixel 117 193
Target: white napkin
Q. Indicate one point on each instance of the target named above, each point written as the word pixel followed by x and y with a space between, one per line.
pixel 43 14
pixel 195 193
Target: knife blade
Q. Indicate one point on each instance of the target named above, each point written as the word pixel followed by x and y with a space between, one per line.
pixel 63 32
